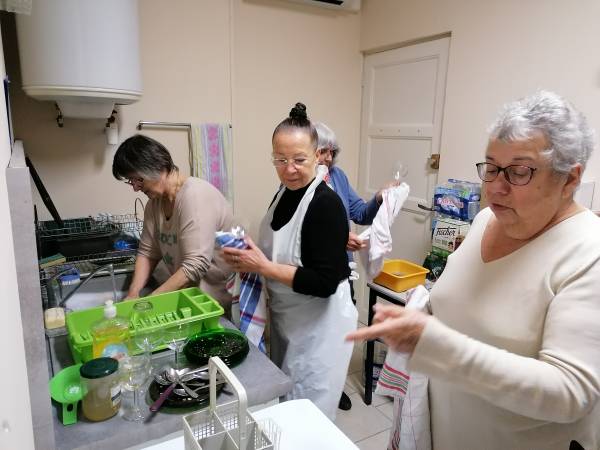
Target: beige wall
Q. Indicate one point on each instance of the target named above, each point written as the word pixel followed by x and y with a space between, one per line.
pixel 286 53
pixel 241 61
pixel 499 50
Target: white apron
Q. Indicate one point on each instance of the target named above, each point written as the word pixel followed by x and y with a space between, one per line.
pixel 307 333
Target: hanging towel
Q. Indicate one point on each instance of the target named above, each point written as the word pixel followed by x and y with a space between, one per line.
pixel 211 156
pixel 379 234
pixel 411 423
pixel 252 298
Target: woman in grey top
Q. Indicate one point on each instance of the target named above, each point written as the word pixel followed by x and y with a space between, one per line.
pixel 180 220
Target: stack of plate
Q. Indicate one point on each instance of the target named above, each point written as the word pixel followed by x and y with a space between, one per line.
pixel 229 345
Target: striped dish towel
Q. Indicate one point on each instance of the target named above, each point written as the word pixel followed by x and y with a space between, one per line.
pixel 211 156
pixel 411 423
pixel 252 300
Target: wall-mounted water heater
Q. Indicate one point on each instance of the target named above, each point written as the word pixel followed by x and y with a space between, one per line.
pixel 82 54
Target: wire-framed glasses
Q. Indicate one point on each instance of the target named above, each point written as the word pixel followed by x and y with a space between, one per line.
pixel 296 162
pixel 134 181
pixel 514 174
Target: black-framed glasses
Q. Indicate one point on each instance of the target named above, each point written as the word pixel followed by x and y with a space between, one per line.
pixel 135 181
pixel 514 174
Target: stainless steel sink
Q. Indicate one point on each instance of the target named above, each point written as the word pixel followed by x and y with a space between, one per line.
pixel 99 289
pixel 93 293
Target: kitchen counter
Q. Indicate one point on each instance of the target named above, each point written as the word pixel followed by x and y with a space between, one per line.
pixel 261 378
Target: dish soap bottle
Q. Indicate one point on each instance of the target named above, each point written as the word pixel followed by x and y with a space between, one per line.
pixel 110 336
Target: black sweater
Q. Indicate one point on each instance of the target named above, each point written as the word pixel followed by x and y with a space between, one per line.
pixel 324 236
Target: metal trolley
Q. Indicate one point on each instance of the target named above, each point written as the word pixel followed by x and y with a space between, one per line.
pixel 224 427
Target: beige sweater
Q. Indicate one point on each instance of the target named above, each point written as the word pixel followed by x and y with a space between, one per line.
pixel 514 349
pixel 187 239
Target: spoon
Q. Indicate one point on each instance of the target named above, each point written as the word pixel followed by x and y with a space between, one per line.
pixel 173 375
pixel 182 392
pixel 161 399
pixel 163 377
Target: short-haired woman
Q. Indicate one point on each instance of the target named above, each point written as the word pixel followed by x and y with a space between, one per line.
pixel 513 346
pixel 180 220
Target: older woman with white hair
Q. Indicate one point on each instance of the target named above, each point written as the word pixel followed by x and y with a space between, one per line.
pixel 358 211
pixel 513 346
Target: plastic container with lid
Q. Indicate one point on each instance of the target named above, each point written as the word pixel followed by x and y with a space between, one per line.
pixel 101 388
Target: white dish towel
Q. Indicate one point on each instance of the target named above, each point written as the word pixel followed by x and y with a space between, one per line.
pixel 411 428
pixel 379 235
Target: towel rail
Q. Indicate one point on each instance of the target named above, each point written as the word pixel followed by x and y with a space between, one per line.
pixel 181 125
pixel 145 123
pixel 150 124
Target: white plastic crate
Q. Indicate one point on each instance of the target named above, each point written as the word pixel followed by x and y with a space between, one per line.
pixel 224 427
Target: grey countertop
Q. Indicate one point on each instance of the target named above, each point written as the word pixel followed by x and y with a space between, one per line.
pixel 261 378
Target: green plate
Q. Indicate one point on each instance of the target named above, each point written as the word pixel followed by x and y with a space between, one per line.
pixel 230 345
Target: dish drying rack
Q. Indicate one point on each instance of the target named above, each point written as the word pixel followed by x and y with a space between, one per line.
pixel 229 426
pixel 87 243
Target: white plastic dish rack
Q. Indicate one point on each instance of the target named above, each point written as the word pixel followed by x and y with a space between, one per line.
pixel 224 427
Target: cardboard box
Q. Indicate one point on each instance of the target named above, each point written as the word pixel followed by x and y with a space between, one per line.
pixel 448 234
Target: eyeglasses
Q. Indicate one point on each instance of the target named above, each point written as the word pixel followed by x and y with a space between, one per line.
pixel 136 181
pixel 514 174
pixel 296 162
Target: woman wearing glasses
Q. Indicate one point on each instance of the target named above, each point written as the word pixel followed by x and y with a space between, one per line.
pixel 306 270
pixel 513 346
pixel 180 220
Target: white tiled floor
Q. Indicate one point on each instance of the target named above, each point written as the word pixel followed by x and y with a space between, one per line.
pixel 367 426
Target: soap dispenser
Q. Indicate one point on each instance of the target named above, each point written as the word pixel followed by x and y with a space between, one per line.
pixel 110 335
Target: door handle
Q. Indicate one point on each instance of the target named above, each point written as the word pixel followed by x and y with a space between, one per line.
pixel 425 207
pixel 434 161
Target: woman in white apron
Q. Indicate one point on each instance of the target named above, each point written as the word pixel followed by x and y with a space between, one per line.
pixel 305 264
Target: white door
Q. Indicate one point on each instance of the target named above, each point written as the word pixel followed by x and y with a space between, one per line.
pixel 402 105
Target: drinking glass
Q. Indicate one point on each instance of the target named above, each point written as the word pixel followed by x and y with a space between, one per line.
pixel 135 370
pixel 399 172
pixel 176 337
pixel 147 336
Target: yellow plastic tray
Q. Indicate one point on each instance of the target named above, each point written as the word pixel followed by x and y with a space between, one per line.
pixel 400 275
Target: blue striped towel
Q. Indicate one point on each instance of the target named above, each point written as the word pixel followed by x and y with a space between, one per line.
pixel 253 303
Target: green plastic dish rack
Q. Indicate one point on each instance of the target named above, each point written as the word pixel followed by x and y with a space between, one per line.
pixel 186 305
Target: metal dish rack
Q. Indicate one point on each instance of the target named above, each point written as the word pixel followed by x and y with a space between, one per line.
pixel 224 427
pixel 103 226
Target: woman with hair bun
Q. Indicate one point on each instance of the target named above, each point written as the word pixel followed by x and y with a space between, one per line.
pixel 306 270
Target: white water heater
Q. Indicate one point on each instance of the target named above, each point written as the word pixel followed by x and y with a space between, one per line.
pixel 82 54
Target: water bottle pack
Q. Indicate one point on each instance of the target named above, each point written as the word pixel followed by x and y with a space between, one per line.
pixel 457 199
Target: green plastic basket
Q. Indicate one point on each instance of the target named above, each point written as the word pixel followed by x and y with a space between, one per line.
pixel 186 305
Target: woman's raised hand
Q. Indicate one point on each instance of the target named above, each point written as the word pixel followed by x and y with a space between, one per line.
pixel 400 328
pixel 354 242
